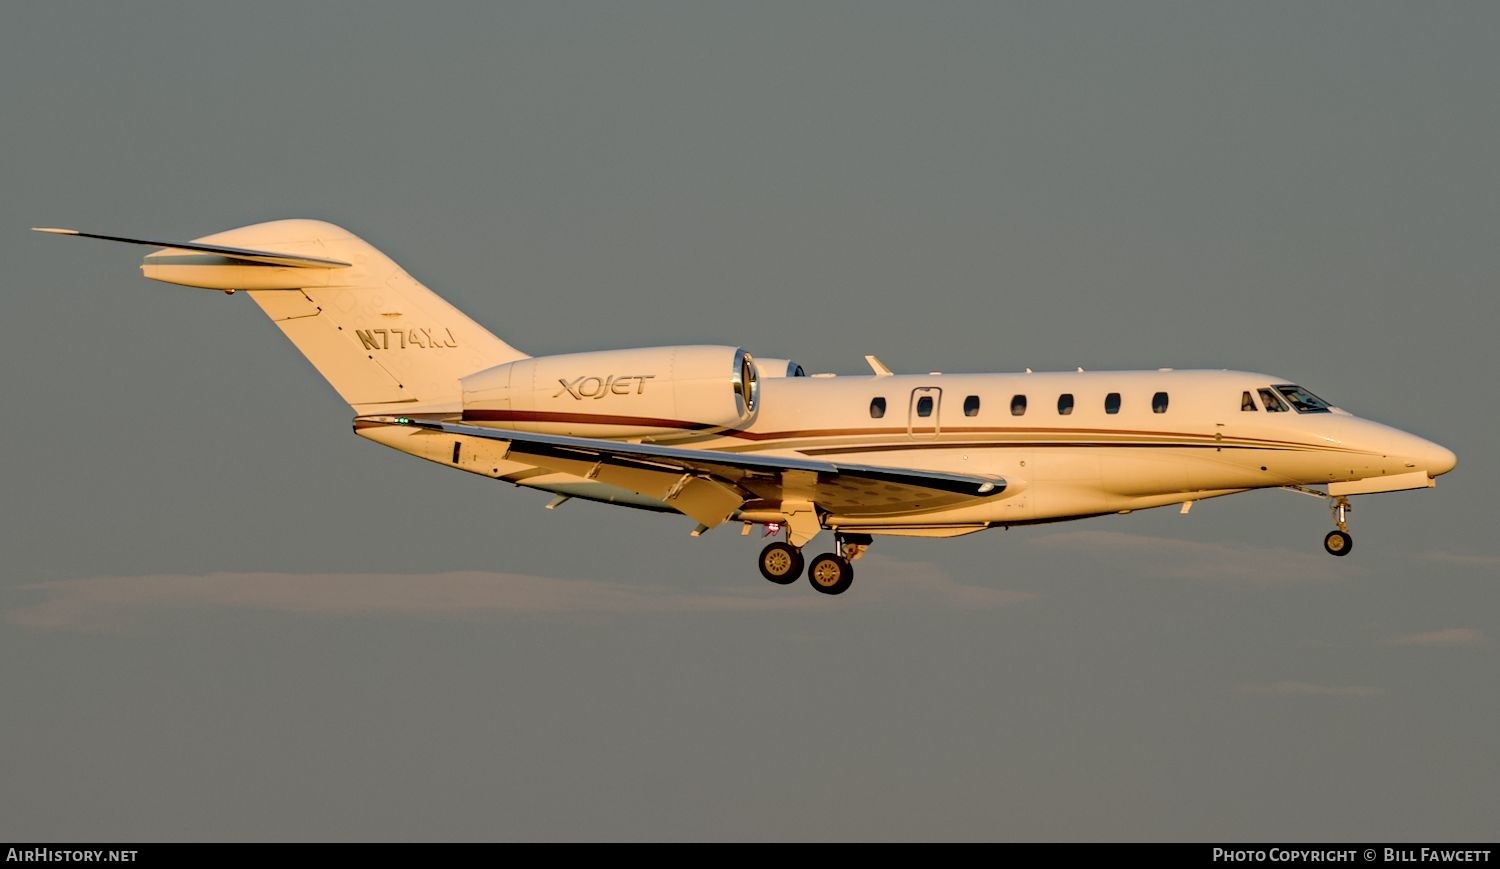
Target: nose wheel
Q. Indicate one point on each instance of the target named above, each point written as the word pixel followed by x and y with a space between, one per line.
pixel 1339 542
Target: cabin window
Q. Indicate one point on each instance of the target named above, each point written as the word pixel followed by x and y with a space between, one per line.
pixel 1272 401
pixel 1301 399
pixel 1112 403
pixel 1065 403
pixel 1246 402
pixel 1018 405
pixel 1159 403
pixel 924 406
pixel 877 407
pixel 971 406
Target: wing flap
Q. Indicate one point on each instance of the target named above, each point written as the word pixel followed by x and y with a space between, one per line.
pixel 707 500
pixel 709 485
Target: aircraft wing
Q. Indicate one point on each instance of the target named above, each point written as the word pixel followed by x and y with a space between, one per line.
pixel 709 485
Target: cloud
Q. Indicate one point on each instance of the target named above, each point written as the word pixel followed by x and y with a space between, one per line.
pixel 84 603
pixel 883 580
pixel 1189 559
pixel 1308 689
pixel 1462 637
pixel 98 603
pixel 1480 562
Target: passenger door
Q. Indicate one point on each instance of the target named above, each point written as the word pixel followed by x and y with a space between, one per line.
pixel 922 413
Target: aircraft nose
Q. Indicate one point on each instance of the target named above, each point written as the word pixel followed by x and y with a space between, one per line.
pixel 1418 452
pixel 1404 451
pixel 1437 459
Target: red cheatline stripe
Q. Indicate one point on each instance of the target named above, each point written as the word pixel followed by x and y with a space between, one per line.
pixel 593 418
pixel 763 439
pixel 747 434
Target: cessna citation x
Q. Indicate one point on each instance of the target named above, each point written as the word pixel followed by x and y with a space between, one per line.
pixel 719 437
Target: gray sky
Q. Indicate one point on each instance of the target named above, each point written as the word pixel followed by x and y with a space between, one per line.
pixel 223 616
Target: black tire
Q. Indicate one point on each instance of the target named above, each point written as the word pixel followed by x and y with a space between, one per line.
pixel 781 563
pixel 1338 543
pixel 830 574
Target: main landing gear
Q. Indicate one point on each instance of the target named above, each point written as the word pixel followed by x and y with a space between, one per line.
pixel 1339 542
pixel 781 563
pixel 829 573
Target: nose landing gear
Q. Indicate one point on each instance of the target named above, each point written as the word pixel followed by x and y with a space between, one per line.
pixel 1339 542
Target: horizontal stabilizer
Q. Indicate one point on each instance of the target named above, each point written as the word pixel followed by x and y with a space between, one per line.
pixel 287 260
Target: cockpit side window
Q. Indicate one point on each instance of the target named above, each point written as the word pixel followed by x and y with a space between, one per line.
pixel 1301 399
pixel 1272 401
pixel 1246 402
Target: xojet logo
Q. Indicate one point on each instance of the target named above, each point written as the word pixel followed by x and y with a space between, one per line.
pixel 591 386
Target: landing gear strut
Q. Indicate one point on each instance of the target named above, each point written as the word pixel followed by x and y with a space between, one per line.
pixel 1339 542
pixel 853 546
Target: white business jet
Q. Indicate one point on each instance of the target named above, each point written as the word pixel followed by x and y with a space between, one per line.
pixel 709 432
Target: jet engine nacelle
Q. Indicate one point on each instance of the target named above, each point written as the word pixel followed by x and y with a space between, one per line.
pixel 652 392
pixel 770 368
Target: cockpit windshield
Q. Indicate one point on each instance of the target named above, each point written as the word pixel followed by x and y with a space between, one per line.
pixel 1301 399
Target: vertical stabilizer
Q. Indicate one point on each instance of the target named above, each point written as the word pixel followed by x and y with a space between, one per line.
pixel 379 337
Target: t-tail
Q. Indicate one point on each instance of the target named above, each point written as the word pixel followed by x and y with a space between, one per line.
pixel 382 340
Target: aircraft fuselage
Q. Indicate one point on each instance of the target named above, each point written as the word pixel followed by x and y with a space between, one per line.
pixel 1068 444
